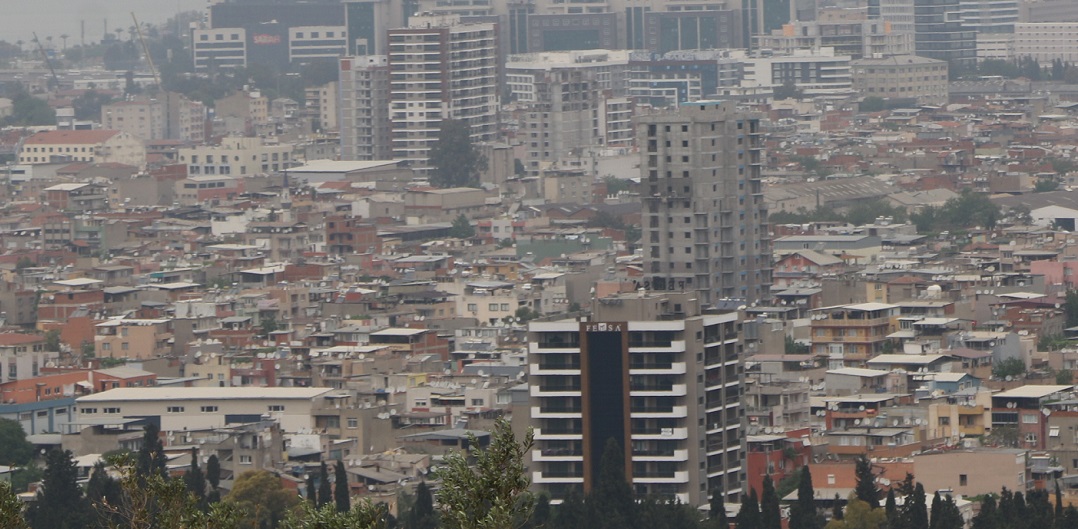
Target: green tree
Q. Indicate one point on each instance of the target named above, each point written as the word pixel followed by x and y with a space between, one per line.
pixel 890 508
pixel 101 491
pixel 1045 185
pixel 155 502
pixel 788 90
pixel 462 228
pixel 151 455
pixel 716 513
pixel 269 326
pixel 312 491
pixel 1070 308
pixel 60 503
pixel 456 161
pixel 572 512
pixel 52 340
pixel 341 495
pixel 325 490
pixel 492 494
pixel 28 110
pixel 871 104
pixel 615 185
pixel 610 503
pixel 362 515
pixel 422 514
pixel 541 514
pixel 770 514
pixel 866 489
pixel 10 509
pixel 259 495
pixel 988 517
pixel 803 511
pixel 193 478
pixel 859 515
pixel 1009 367
pixel 88 105
pixel 915 509
pixel 748 517
pixel 213 477
pixel 17 451
pixel 794 348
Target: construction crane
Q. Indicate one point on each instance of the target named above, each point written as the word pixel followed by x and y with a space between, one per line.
pixel 55 83
pixel 146 51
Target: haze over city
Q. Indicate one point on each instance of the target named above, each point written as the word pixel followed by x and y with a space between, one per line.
pixel 539 264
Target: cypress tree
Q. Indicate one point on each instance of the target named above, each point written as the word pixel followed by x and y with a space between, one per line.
pixel 102 490
pixel 541 514
pixel 866 489
pixel 341 494
pixel 950 516
pixel 937 512
pixel 193 479
pixel 989 516
pixel 572 513
pixel 610 503
pixel 60 503
pixel 890 508
pixel 325 490
pixel 423 515
pixel 748 517
pixel 915 509
pixel 836 508
pixel 312 491
pixel 151 456
pixel 1058 513
pixel 803 511
pixel 213 476
pixel 770 516
pixel 717 511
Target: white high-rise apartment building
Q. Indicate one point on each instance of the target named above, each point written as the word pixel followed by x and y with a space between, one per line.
pixel 363 106
pixel 440 68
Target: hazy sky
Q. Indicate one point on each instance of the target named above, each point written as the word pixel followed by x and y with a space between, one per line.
pixel 20 18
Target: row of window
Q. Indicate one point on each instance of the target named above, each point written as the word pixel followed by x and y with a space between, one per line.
pixel 175 409
pixel 472 307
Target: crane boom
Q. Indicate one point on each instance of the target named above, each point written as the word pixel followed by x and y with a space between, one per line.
pixel 48 61
pixel 146 51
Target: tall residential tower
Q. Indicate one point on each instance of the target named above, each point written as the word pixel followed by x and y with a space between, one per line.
pixel 704 220
pixel 655 374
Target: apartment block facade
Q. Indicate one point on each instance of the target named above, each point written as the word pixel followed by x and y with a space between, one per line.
pixel 704 217
pixel 654 373
pixel 440 68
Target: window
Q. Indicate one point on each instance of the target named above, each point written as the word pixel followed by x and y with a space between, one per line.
pixel 245 460
pixel 477 402
pixel 353 423
pixel 209 409
pixel 1029 418
pixel 276 407
pixel 175 409
pixel 112 410
pixel 88 410
pixel 962 480
pixel 492 306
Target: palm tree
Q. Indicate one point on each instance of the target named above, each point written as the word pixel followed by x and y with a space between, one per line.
pixel 65 37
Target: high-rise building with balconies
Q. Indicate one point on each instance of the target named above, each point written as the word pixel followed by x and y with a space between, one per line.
pixel 704 218
pixel 441 68
pixel 657 374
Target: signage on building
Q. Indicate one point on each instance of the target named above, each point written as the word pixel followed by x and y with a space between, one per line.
pixel 605 327
pixel 265 38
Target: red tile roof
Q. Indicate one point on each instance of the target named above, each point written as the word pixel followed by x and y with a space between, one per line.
pixel 19 339
pixel 67 137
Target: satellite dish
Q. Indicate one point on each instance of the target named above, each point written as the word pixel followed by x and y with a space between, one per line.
pixel 861 408
pixel 277 366
pixel 393 411
pixel 1046 411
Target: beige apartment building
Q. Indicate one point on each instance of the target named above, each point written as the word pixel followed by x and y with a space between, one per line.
pixel 135 338
pixel 94 146
pixel 902 76
pixel 181 409
pixel 238 157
